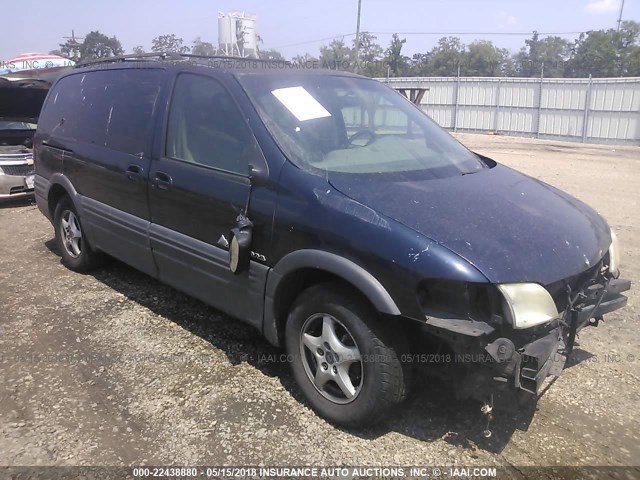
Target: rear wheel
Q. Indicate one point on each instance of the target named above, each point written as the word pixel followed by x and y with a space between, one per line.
pixel 347 363
pixel 76 253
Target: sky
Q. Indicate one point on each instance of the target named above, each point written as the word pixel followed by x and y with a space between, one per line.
pixel 299 27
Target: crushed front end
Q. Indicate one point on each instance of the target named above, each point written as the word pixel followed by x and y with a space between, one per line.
pixel 505 340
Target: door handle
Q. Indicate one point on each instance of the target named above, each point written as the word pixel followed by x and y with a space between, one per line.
pixel 134 172
pixel 162 181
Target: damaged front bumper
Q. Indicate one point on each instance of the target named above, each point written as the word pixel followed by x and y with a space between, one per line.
pixel 504 360
pixel 592 303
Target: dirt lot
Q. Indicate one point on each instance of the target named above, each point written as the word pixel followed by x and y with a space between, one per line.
pixel 114 368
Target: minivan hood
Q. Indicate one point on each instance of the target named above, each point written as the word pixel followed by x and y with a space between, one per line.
pixel 511 227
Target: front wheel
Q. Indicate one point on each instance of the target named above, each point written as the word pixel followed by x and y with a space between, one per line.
pixel 346 362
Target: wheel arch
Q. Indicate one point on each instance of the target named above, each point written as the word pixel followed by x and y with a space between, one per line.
pixel 299 270
pixel 59 186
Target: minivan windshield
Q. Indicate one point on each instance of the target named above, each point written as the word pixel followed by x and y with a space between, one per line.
pixel 354 125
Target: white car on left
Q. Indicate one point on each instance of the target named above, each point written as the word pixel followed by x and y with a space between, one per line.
pixel 20 104
pixel 16 159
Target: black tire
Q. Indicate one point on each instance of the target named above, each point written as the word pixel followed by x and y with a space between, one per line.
pixel 84 258
pixel 383 378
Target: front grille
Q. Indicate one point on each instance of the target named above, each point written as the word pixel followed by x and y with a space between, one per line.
pixel 558 290
pixel 17 170
pixel 15 156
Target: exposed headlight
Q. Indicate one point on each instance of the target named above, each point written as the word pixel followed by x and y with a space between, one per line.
pixel 614 255
pixel 453 299
pixel 527 304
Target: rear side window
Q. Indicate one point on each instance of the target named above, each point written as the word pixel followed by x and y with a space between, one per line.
pixel 110 108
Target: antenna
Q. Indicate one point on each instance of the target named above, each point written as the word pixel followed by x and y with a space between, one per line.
pixel 620 16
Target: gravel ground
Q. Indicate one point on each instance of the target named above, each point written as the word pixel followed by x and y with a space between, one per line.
pixel 115 368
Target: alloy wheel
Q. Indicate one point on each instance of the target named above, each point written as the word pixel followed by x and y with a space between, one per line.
pixel 71 233
pixel 331 358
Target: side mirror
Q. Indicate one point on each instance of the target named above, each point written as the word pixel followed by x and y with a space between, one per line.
pixel 240 245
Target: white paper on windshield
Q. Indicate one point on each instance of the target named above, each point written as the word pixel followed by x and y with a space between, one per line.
pixel 300 102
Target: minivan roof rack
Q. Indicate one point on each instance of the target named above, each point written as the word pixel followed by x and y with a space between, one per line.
pixel 159 56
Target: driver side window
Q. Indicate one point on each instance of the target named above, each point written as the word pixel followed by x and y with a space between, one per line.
pixel 205 126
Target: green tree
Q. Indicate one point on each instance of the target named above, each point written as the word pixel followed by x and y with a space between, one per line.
pixel 70 49
pixel 94 46
pixel 169 43
pixel 336 56
pixel 607 53
pixel 484 59
pixel 633 62
pixel 419 65
pixel 371 58
pixel 202 48
pixel 306 61
pixel 307 57
pixel 398 63
pixel 552 52
pixel 528 59
pixel 509 66
pixel 443 59
pixel 271 54
pixel 628 41
pixel 595 54
pixel 138 50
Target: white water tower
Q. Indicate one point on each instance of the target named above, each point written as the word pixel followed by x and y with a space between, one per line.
pixel 238 34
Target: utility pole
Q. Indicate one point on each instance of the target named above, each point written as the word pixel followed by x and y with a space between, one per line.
pixel 74 53
pixel 358 36
pixel 74 46
pixel 73 37
pixel 620 17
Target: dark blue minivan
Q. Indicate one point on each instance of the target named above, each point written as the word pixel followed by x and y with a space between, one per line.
pixel 330 213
